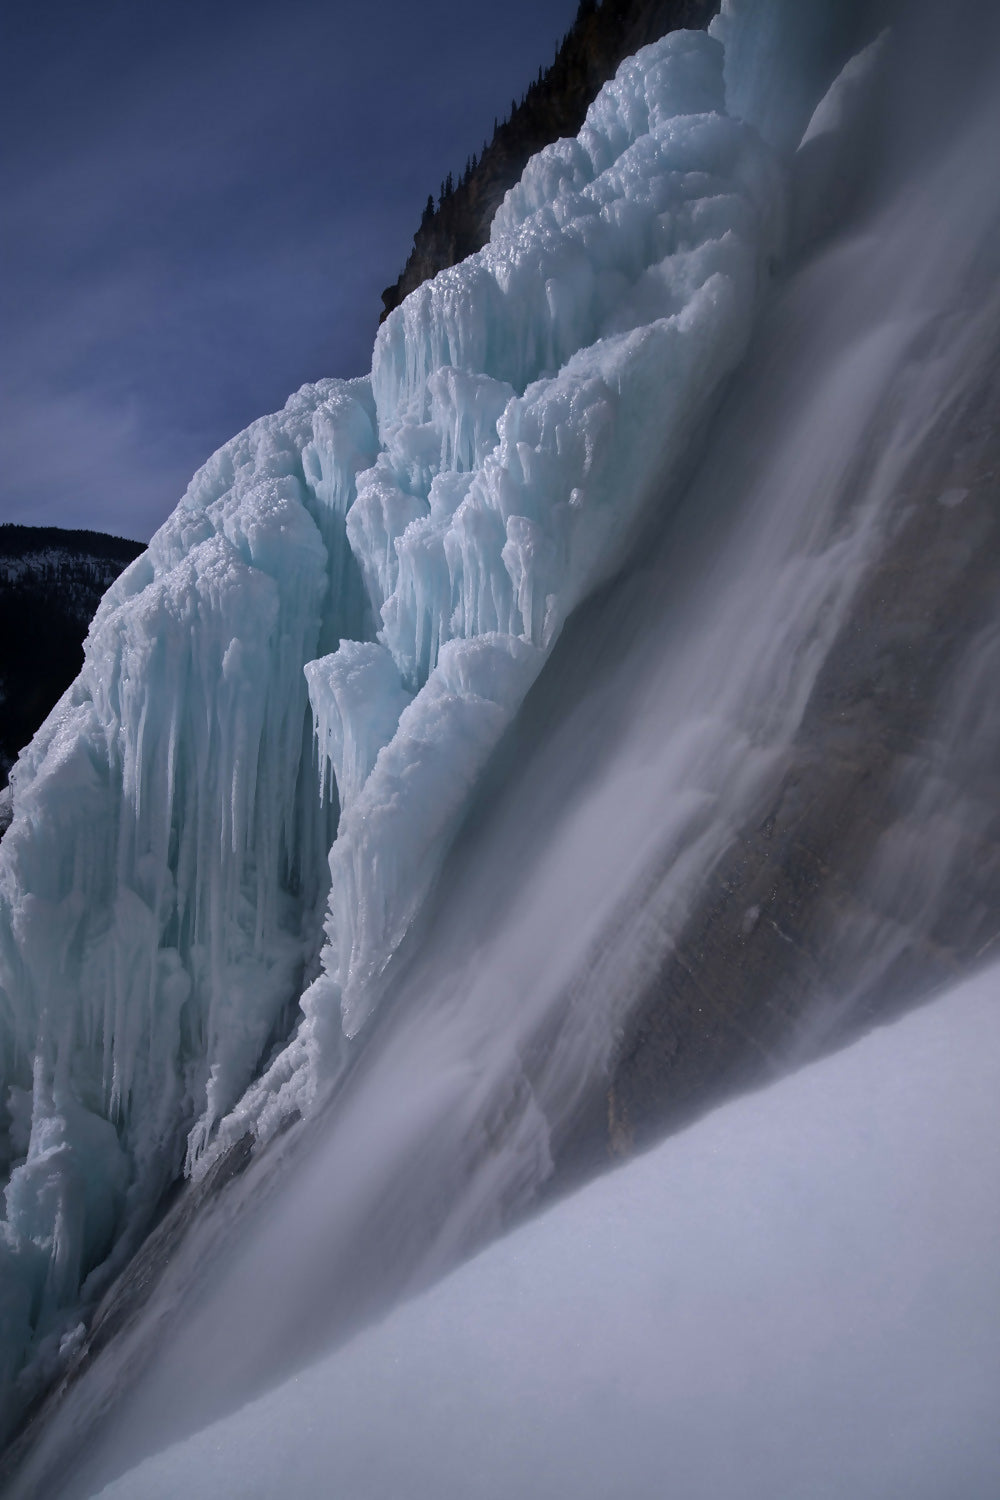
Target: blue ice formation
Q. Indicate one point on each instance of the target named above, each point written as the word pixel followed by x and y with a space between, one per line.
pixel 287 700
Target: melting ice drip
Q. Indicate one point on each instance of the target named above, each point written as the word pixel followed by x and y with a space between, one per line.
pixel 404 550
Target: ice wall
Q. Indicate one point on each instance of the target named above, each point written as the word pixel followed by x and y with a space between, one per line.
pixel 781 56
pixel 160 888
pixel 529 402
pixel 160 882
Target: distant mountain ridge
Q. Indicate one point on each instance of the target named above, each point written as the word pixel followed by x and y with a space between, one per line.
pixel 552 107
pixel 51 581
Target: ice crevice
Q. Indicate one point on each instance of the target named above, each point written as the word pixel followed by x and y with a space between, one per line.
pixel 247 794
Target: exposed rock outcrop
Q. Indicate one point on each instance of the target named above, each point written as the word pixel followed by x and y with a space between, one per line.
pixel 872 874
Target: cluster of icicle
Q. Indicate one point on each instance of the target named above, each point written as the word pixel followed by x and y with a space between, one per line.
pixel 376 573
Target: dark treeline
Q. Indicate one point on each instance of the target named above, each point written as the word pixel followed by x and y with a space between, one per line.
pixel 554 105
pixel 51 581
pixel 25 541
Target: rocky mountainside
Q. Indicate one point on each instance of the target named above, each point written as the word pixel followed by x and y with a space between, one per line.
pixel 553 106
pixel 50 583
pixel 871 873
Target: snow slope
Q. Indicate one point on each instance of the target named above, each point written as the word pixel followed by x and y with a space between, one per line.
pixel 797 1296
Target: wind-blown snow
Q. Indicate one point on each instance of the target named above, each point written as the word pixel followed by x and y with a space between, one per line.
pixel 384 565
pixel 797 1296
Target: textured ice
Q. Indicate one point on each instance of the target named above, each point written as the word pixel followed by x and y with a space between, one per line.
pixel 353 597
pixel 160 882
pixel 781 55
pixel 384 858
pixel 357 698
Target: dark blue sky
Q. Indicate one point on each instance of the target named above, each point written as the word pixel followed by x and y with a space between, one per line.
pixel 203 202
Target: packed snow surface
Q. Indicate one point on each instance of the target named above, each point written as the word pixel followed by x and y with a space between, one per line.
pixel 798 1296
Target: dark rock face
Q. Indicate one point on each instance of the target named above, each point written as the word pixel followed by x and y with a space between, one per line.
pixel 872 873
pixel 51 582
pixel 554 106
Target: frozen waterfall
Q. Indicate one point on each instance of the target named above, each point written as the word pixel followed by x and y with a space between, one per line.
pixel 348 816
pixel 161 881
